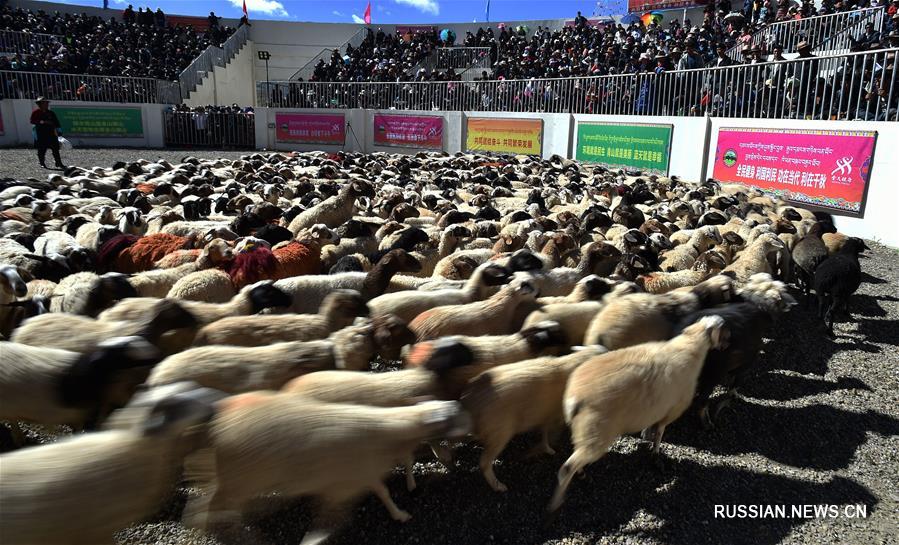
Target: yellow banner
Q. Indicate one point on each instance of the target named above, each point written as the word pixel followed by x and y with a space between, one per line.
pixel 518 136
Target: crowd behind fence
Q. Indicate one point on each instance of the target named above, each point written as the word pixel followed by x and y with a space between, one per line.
pixel 858 86
pixel 831 33
pixel 83 87
pixel 209 127
pixel 14 41
pixel 308 70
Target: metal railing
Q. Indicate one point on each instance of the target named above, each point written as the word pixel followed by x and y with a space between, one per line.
pixel 826 33
pixel 211 57
pixel 306 71
pixel 13 41
pixel 857 86
pixel 193 129
pixel 83 87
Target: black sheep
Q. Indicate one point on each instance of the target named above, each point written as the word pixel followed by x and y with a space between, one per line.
pixel 746 320
pixel 836 278
pixel 808 253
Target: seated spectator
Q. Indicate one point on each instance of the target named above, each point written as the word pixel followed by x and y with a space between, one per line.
pixel 138 46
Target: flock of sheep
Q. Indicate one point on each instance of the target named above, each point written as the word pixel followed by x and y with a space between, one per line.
pixel 227 323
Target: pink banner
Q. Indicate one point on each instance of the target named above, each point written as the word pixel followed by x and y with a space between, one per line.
pixel 409 131
pixel 310 128
pixel 822 168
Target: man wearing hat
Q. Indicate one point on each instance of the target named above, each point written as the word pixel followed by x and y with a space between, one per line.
pixel 46 127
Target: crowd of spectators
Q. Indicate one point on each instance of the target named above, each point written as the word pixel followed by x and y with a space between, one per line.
pixel 210 126
pixel 380 57
pixel 587 50
pixel 141 44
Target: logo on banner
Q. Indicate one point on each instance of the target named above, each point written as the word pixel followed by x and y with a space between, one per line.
pixel 730 158
pixel 842 174
pixel 844 165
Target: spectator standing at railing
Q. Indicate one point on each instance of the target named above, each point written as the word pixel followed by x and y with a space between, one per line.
pixel 159 18
pixel 128 15
pixel 213 20
pixel 46 130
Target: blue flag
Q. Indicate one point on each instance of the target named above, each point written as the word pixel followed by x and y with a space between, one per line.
pixel 487 11
pixel 105 4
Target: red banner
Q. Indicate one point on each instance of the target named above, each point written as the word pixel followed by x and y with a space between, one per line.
pixel 822 168
pixel 639 6
pixel 310 128
pixel 409 131
pixel 200 24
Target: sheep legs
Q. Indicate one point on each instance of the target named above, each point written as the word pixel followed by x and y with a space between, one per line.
pixel 410 475
pixel 580 458
pixel 491 451
pixel 543 447
pixel 384 495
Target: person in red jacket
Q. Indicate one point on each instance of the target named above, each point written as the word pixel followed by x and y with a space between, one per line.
pixel 46 126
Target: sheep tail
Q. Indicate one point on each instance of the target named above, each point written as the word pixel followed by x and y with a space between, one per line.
pixel 111 249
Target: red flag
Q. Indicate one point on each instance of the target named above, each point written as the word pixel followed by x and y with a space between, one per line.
pixel 245 14
pixel 367 16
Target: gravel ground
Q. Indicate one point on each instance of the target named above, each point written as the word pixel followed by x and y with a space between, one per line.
pixel 21 163
pixel 818 423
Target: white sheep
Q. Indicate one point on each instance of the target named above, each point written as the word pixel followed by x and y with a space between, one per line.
pixel 335 210
pixel 237 369
pixel 339 309
pixel 55 387
pixel 409 304
pixel 83 489
pixel 642 317
pixel 265 442
pixel 492 316
pixel 88 293
pixel 84 334
pixel 309 291
pixel 511 399
pixel 632 389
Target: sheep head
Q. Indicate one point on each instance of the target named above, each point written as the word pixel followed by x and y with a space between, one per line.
pixel 767 294
pixel 264 294
pixel 714 291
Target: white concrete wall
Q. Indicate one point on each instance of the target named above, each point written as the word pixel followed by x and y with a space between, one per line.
pixel 10 134
pixel 233 83
pixel 452 130
pixel 292 44
pixel 17 125
pixel 879 222
pixel 687 153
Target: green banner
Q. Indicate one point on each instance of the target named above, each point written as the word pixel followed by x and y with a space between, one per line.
pixel 636 145
pixel 100 122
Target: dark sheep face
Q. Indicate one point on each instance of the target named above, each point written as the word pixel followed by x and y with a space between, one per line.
pixel 524 260
pixel 266 295
pixel 496 275
pixel 544 335
pixel 447 354
pixel 107 377
pixel 596 287
pixel 173 316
